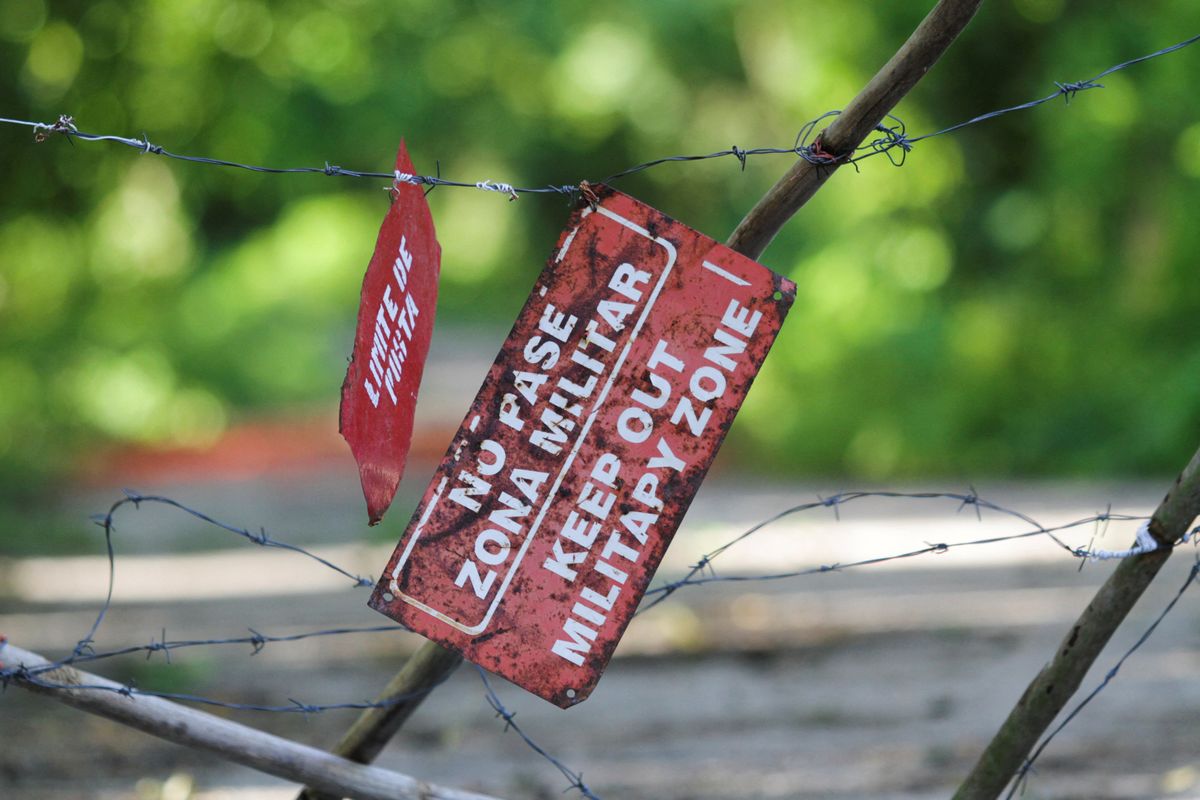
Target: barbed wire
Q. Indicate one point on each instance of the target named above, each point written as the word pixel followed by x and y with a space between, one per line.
pixel 84 650
pixel 510 724
pixel 133 498
pixel 107 522
pixel 257 641
pixel 65 126
pixel 700 573
pixel 893 141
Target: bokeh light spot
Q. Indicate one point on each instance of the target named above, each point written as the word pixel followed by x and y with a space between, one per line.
pixel 21 19
pixel 53 62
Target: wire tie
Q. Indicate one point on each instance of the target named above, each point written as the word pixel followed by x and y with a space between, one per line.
pixel 816 154
pixel 589 194
pixel 502 188
pixel 1146 543
pixel 894 137
pixel 65 124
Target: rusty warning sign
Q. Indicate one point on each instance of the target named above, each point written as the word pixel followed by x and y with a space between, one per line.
pixel 575 465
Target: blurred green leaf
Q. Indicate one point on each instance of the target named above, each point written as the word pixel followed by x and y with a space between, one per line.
pixel 1018 299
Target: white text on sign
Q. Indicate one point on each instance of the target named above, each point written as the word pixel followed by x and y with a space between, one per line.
pixel 389 348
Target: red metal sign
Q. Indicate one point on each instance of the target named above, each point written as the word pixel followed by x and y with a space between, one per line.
pixel 583 449
pixel 395 324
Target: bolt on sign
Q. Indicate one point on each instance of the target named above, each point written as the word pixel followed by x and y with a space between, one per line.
pixel 575 465
pixel 395 324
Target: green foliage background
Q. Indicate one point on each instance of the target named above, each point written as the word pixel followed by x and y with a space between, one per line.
pixel 1018 300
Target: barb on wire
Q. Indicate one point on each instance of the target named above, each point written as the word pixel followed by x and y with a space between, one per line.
pixel 894 142
pixel 1022 776
pixel 510 723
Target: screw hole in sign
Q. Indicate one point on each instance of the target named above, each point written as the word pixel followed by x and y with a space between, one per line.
pixel 571 693
pixel 777 296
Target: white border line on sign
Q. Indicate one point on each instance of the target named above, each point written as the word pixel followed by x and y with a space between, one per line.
pixel 412 540
pixel 472 630
pixel 562 252
pixel 729 276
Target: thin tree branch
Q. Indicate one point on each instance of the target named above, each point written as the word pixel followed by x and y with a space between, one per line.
pixel 203 731
pixel 922 50
pixel 1049 692
pixel 425 669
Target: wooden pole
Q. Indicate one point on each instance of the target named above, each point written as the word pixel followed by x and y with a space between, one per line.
pixel 425 670
pixel 856 122
pixel 196 729
pixel 1050 690
pixel 901 73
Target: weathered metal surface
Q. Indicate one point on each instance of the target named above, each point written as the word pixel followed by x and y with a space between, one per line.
pixel 395 324
pixel 591 434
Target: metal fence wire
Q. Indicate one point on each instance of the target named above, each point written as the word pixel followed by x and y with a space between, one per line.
pixel 892 141
pixel 703 572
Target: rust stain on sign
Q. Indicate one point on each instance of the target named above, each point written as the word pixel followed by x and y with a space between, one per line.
pixel 575 465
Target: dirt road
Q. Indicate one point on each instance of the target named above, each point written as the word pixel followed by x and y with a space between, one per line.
pixel 874 682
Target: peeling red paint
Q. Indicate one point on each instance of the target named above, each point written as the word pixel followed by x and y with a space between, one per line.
pixel 592 432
